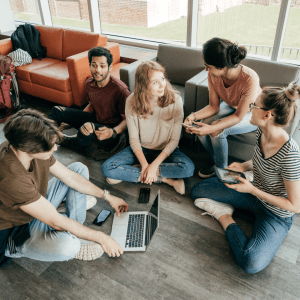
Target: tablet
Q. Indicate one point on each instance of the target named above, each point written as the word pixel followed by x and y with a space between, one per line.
pixel 228 176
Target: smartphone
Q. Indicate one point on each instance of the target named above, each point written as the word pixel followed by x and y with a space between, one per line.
pixel 228 176
pixel 190 125
pixel 103 215
pixel 144 195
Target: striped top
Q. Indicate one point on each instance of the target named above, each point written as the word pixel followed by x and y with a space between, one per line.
pixel 270 173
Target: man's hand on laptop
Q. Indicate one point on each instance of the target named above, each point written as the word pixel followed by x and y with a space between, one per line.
pixel 110 246
pixel 117 203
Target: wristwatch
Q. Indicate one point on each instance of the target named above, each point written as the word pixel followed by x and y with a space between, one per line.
pixel 114 134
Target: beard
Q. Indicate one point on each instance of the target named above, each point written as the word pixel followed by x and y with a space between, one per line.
pixel 104 76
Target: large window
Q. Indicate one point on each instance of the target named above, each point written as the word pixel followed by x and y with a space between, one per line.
pixel 25 10
pixel 70 13
pixel 291 43
pixel 250 23
pixel 160 20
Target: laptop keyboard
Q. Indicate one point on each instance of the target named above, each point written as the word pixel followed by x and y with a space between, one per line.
pixel 135 231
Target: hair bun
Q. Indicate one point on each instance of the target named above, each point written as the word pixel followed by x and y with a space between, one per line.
pixel 292 92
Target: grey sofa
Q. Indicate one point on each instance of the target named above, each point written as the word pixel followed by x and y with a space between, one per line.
pixel 182 65
pixel 270 73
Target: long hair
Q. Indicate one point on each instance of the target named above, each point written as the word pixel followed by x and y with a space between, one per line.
pixel 282 101
pixel 141 105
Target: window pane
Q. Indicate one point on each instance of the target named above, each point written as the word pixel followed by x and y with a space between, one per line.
pixel 163 20
pixel 25 10
pixel 70 13
pixel 291 43
pixel 251 23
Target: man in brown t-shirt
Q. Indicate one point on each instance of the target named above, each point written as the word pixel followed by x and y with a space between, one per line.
pixel 104 117
pixel 30 225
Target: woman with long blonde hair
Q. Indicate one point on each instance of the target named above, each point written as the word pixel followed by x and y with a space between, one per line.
pixel 154 113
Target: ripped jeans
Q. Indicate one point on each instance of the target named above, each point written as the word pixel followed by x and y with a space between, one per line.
pixel 217 147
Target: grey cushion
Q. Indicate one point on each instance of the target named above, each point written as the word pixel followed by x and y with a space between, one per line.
pixel 181 63
pixel 272 73
pixel 180 89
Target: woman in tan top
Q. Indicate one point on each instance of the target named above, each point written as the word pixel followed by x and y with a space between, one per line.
pixel 237 86
pixel 154 114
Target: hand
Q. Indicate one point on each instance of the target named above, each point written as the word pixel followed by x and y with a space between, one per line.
pixel 110 246
pixel 238 167
pixel 189 119
pixel 143 174
pixel 151 174
pixel 104 133
pixel 244 187
pixel 117 203
pixel 204 129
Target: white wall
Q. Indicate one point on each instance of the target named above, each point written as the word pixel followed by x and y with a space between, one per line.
pixel 6 19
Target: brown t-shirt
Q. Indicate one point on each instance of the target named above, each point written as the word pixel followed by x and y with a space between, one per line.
pixel 108 102
pixel 245 89
pixel 20 187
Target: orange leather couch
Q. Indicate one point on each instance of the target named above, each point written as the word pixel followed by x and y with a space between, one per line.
pixel 60 77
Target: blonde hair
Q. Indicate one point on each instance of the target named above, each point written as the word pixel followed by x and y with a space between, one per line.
pixel 141 105
pixel 282 101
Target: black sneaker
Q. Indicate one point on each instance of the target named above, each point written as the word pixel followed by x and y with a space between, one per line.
pixel 207 172
pixel 68 141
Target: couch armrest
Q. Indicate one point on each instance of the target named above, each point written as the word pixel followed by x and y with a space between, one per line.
pixel 127 73
pixel 6 46
pixel 79 70
pixel 191 90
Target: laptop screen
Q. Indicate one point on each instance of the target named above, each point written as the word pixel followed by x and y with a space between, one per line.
pixel 152 220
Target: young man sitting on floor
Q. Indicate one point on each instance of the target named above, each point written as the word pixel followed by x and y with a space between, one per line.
pixel 104 117
pixel 30 225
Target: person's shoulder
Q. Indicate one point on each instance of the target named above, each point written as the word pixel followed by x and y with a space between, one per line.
pixel 129 100
pixel 119 83
pixel 248 73
pixel 89 82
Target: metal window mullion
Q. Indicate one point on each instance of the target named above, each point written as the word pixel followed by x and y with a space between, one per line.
pixel 45 12
pixel 94 16
pixel 192 23
pixel 281 26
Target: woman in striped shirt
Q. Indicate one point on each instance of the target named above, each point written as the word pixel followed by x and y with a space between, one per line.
pixel 274 196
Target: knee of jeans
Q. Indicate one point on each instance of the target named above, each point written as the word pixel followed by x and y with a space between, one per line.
pixel 196 191
pixel 107 168
pixel 69 247
pixel 87 128
pixel 217 136
pixel 252 264
pixel 188 169
pixel 79 168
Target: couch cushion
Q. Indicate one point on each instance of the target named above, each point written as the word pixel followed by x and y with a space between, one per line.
pixel 55 76
pixel 180 89
pixel 245 138
pixel 78 41
pixel 271 72
pixel 51 38
pixel 23 71
pixel 181 63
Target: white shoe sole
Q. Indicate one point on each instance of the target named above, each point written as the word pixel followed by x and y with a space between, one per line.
pixel 112 181
pixel 206 176
pixel 89 251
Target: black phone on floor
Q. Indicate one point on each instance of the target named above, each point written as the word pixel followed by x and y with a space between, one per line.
pixel 144 195
pixel 103 215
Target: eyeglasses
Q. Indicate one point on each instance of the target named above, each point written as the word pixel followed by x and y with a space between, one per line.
pixel 252 106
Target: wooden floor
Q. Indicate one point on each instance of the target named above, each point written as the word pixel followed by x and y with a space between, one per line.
pixel 189 257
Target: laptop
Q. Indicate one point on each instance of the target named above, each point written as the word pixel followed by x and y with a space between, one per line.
pixel 135 230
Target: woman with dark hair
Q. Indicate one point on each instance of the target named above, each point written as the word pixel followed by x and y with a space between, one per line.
pixel 235 84
pixel 274 196
pixel 154 114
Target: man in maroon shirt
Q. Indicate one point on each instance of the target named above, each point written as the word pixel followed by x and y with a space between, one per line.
pixel 104 117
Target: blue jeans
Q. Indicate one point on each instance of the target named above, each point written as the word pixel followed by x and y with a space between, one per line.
pixel 45 243
pixel 120 166
pixel 217 147
pixel 255 253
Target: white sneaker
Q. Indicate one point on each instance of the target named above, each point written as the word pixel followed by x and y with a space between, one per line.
pixel 91 201
pixel 89 250
pixel 214 208
pixel 112 181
